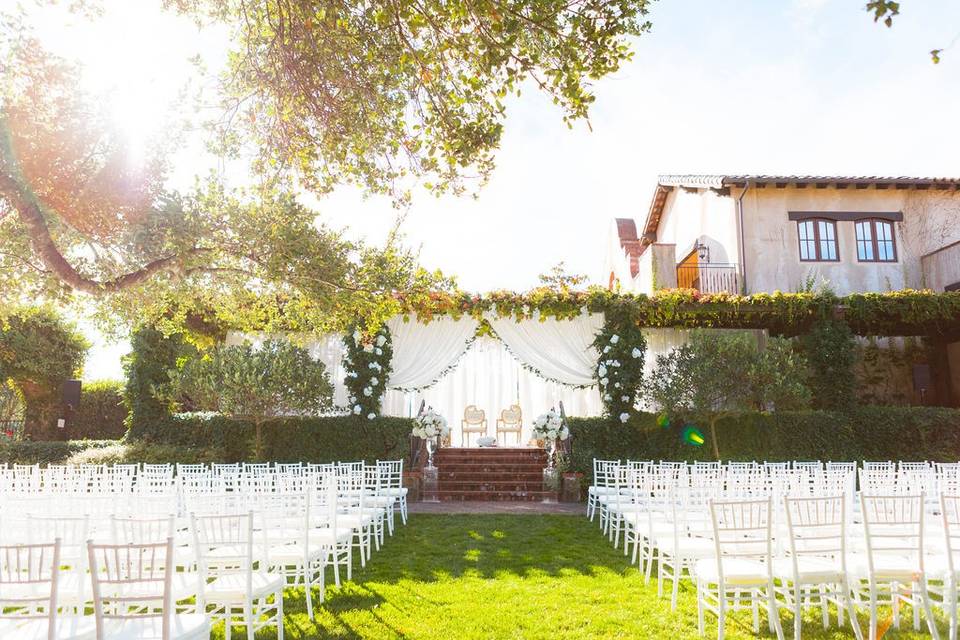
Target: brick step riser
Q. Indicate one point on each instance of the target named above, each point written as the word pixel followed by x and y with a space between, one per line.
pixel 533 496
pixel 469 476
pixel 442 462
pixel 491 485
pixel 509 472
pixel 459 453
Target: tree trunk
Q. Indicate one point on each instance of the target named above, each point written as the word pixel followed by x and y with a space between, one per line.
pixel 713 438
pixel 258 441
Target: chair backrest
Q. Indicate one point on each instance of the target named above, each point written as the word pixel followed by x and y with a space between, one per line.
pixel 816 527
pixel 28 582
pixel 950 512
pixel 225 545
pixel 132 581
pixel 893 526
pixel 742 530
pixel 391 472
pixel 513 415
pixel 472 415
pixel 141 529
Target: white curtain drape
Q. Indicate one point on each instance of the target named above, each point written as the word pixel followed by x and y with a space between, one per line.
pixel 489 377
pixel 559 349
pixel 421 352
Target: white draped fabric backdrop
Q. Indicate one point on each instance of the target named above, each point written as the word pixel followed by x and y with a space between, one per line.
pixel 441 363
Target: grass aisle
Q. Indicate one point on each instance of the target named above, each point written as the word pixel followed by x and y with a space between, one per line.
pixel 515 576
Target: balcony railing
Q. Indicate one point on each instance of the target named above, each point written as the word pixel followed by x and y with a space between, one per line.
pixel 709 277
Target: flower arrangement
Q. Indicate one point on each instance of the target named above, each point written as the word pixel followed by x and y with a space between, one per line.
pixel 619 371
pixel 367 364
pixel 550 427
pixel 430 424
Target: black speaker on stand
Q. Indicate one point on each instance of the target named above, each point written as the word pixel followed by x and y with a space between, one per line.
pixel 69 402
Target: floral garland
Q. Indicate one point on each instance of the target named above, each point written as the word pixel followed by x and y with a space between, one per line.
pixel 367 364
pixel 619 373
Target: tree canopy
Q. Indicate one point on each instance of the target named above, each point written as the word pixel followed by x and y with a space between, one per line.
pixel 322 94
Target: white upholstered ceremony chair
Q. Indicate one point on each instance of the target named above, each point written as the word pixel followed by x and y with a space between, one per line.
pixel 510 421
pixel 474 421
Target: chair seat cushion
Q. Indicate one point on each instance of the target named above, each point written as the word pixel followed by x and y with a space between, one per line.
pixel 686 546
pixel 736 572
pixel 233 586
pixel 182 627
pixel 811 570
pixel 68 628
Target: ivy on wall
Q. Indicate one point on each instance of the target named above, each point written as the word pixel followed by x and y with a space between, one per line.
pixel 831 350
pixel 368 367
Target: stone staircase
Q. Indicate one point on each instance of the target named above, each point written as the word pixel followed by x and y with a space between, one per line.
pixel 492 474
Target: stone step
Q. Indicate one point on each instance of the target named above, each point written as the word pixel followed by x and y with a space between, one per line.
pixel 509 457
pixel 495 485
pixel 535 475
pixel 489 468
pixel 498 496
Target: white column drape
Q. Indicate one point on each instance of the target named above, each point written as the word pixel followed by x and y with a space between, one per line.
pixel 422 352
pixel 560 350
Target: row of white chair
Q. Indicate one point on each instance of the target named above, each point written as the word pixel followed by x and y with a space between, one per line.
pixel 790 536
pixel 225 554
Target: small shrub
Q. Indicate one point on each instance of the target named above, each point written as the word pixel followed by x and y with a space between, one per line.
pixel 143 452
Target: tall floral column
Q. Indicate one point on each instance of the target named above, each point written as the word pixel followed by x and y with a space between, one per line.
pixel 619 373
pixel 367 363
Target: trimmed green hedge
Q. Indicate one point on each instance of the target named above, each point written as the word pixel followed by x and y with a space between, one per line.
pixel 46 452
pixel 864 433
pixel 102 412
pixel 325 439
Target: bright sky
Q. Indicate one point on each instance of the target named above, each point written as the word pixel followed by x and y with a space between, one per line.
pixel 791 86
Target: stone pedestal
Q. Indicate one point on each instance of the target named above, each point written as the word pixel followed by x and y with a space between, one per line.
pixel 430 485
pixel 570 487
pixel 412 482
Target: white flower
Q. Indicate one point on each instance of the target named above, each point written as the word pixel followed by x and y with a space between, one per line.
pixel 374 381
pixel 636 353
pixel 357 336
pixel 602 371
pixel 605 381
pixel 616 385
pixel 564 433
pixel 606 349
pixel 608 397
pixel 367 391
pixel 381 340
pixel 357 409
pixel 624 398
pixel 616 363
pixel 375 366
pixel 368 348
pixel 379 351
pixel 624 417
pixel 614 339
pixel 371 416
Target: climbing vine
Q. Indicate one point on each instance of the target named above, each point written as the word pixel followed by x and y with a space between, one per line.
pixel 619 372
pixel 368 367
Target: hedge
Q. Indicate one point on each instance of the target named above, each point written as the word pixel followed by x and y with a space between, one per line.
pixel 324 439
pixel 863 433
pixel 101 413
pixel 45 452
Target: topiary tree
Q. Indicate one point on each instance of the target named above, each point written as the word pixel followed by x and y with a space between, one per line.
pixel 254 383
pixel 717 375
pixel 153 355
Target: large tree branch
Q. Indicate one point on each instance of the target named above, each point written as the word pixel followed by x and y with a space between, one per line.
pixel 30 212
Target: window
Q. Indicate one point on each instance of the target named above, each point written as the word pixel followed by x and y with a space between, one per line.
pixel 875 241
pixel 818 240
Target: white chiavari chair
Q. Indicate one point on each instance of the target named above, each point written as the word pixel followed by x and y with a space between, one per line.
pixel 391 473
pixel 894 558
pixel 234 576
pixel 741 572
pixel 133 594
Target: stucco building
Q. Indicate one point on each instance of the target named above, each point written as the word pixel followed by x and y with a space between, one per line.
pixel 759 233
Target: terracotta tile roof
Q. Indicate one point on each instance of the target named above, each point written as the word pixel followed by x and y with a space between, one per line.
pixel 666 183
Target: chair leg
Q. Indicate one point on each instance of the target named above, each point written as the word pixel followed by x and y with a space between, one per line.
pixel 248 619
pixel 279 597
pixel 774 610
pixel 700 624
pixel 931 623
pixel 797 611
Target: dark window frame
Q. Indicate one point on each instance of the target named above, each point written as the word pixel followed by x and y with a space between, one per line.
pixel 874 242
pixel 818 256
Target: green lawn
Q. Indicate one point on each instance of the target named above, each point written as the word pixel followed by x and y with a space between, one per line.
pixel 518 576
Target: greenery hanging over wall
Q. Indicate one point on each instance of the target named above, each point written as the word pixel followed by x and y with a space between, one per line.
pixel 831 351
pixel 152 357
pixel 619 371
pixel 368 367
